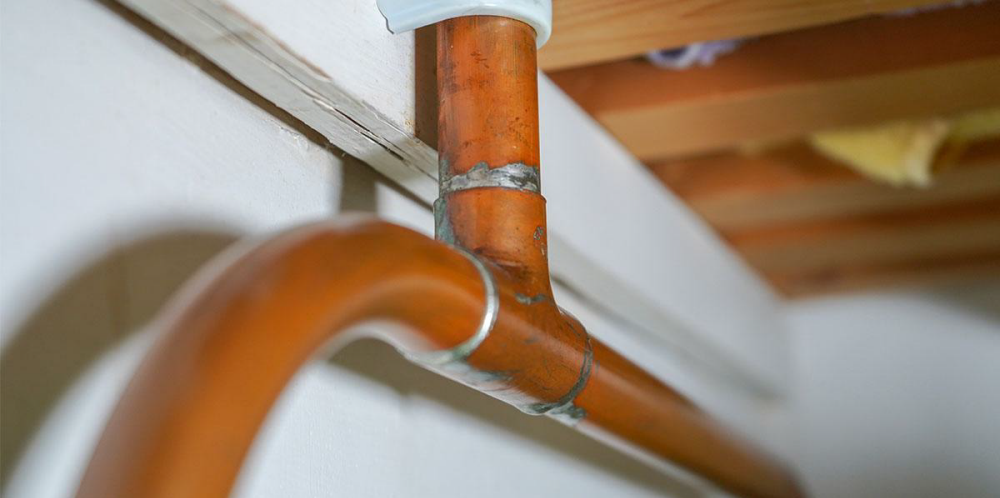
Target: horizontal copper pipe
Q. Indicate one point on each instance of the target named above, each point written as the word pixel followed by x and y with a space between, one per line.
pixel 235 339
pixel 239 332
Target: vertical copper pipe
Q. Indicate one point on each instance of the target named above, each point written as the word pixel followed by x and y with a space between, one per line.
pixel 490 201
pixel 488 92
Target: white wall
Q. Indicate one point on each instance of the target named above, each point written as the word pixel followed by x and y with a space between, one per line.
pixel 898 394
pixel 123 167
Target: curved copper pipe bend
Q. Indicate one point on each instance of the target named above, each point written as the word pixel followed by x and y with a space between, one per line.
pixel 478 309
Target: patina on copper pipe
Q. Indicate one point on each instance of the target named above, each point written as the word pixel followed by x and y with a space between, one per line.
pixel 480 312
pixel 490 200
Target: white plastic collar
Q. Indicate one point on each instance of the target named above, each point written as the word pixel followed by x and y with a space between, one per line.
pixel 406 15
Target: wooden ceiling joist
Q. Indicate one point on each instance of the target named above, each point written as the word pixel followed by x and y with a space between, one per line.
pixel 873 238
pixel 591 31
pixel 919 272
pixel 861 72
pixel 811 226
pixel 794 184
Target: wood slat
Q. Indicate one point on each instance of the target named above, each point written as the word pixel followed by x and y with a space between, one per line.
pixel 920 272
pixel 590 31
pixel 786 85
pixel 811 226
pixel 873 239
pixel 795 184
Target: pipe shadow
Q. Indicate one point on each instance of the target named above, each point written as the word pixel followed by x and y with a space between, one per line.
pixel 425 99
pixel 96 309
pixel 357 190
pixel 981 298
pixel 380 362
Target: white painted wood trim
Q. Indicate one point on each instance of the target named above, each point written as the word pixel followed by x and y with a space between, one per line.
pixel 616 235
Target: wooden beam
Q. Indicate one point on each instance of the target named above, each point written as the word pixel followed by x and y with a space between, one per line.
pixel 783 86
pixel 985 267
pixel 590 31
pixel 909 273
pixel 811 226
pixel 795 184
pixel 873 239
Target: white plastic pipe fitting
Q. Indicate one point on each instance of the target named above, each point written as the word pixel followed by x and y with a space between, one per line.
pixel 406 15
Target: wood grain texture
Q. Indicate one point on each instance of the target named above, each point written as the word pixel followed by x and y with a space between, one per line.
pixel 873 238
pixel 586 32
pixel 794 184
pixel 783 86
pixel 949 270
pixel 811 226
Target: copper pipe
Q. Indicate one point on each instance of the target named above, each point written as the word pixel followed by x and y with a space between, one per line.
pixel 480 312
pixel 490 200
pixel 238 334
pixel 488 129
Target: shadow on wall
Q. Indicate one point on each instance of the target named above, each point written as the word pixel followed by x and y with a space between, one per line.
pixel 380 362
pixel 104 303
pixel 982 299
pixel 92 312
